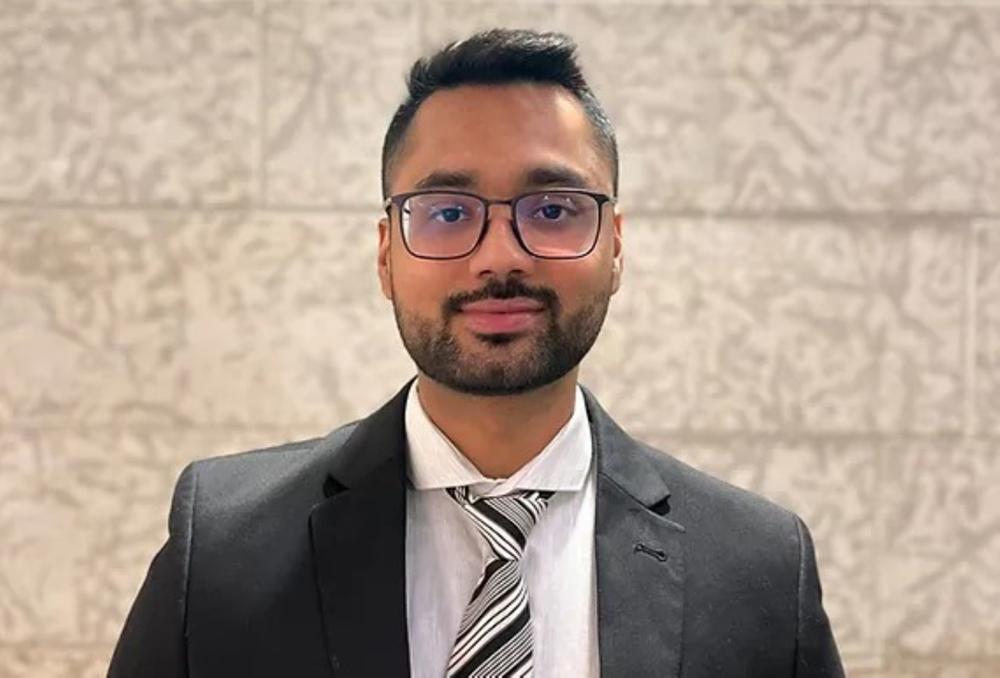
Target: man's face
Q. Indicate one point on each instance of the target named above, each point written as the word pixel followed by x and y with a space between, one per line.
pixel 499 142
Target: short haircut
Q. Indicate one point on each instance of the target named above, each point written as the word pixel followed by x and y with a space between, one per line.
pixel 494 57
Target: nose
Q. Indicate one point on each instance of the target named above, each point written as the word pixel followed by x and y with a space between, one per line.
pixel 499 253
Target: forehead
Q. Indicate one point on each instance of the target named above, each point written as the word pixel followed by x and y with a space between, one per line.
pixel 500 136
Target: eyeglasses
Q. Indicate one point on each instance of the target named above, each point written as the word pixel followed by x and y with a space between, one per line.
pixel 554 224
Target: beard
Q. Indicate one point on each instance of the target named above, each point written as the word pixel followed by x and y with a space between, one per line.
pixel 494 371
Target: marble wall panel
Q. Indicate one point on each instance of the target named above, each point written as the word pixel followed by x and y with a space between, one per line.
pixel 987 327
pixel 869 108
pixel 833 486
pixel 127 103
pixel 221 318
pixel 940 592
pixel 332 79
pixel 765 107
pixel 81 516
pixel 794 325
pixel 35 661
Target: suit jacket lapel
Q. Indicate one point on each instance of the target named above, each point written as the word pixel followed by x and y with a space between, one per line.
pixel 358 538
pixel 639 555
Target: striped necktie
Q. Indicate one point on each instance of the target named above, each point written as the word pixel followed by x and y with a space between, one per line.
pixel 494 637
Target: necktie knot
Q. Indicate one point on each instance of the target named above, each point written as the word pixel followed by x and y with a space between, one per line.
pixel 504 521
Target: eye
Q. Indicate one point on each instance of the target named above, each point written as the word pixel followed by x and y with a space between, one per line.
pixel 552 212
pixel 449 214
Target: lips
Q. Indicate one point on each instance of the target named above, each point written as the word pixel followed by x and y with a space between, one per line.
pixel 502 315
pixel 517 305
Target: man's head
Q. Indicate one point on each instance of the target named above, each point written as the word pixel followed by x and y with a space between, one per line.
pixel 482 306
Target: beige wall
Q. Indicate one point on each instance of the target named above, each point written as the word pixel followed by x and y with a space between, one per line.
pixel 811 304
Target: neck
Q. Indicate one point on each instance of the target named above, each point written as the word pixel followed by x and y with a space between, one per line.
pixel 499 434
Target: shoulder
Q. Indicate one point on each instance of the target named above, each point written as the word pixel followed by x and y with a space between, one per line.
pixel 266 460
pixel 261 476
pixel 736 541
pixel 712 507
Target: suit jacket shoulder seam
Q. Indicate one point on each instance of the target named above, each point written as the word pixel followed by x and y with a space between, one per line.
pixel 292 446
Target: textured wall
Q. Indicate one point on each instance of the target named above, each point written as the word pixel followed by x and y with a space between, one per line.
pixel 811 303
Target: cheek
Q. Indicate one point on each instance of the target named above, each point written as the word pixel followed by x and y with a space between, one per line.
pixel 577 286
pixel 419 285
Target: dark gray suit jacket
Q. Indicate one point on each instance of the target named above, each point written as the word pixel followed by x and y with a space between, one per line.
pixel 290 562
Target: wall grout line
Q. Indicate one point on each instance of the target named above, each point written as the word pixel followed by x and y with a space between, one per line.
pixel 60 645
pixel 970 345
pixel 190 209
pixel 684 436
pixel 845 217
pixel 874 438
pixel 262 122
pixel 880 545
pixel 785 4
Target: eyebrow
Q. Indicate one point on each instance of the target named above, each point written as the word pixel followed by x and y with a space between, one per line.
pixel 555 175
pixel 544 175
pixel 447 179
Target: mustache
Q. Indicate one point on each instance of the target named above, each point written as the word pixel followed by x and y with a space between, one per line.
pixel 507 289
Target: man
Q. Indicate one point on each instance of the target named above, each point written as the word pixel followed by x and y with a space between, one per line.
pixel 491 519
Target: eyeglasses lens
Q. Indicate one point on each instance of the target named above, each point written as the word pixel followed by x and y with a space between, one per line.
pixel 442 224
pixel 558 224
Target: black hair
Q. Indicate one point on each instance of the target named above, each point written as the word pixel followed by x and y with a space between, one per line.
pixel 499 56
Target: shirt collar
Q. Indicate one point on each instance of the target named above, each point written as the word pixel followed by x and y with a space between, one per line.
pixel 433 461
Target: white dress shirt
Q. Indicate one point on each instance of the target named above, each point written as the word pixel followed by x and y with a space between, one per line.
pixel 445 554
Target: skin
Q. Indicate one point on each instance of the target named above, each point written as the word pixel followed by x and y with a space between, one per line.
pixel 494 136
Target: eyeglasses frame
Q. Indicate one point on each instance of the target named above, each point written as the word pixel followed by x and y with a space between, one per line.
pixel 398 200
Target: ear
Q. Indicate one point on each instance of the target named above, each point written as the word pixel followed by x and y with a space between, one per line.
pixel 618 253
pixel 384 258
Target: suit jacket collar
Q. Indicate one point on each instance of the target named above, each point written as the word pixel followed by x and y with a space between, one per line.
pixel 358 535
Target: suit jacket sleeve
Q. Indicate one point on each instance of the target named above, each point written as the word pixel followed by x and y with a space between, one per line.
pixel 153 641
pixel 816 653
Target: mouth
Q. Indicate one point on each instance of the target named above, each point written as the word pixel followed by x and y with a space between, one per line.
pixel 492 316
